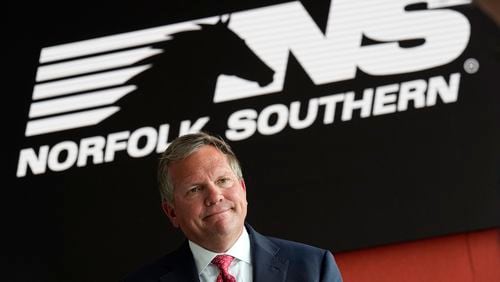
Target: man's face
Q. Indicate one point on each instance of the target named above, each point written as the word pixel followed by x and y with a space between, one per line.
pixel 209 200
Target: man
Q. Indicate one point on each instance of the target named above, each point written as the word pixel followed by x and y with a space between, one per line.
pixel 204 194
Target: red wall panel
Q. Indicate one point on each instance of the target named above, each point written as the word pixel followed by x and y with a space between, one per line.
pixel 466 257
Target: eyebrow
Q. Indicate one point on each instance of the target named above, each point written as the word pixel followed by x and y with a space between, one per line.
pixel 219 174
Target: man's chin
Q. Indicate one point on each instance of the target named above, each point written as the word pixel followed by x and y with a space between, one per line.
pixel 221 222
pixel 225 225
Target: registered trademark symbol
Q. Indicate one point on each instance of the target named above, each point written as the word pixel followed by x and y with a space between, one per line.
pixel 471 65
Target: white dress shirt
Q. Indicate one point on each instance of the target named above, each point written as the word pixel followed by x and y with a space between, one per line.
pixel 240 267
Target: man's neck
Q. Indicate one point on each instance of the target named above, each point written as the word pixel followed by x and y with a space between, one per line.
pixel 240 250
pixel 221 244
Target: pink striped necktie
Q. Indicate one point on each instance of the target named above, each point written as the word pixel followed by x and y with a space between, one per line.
pixel 223 262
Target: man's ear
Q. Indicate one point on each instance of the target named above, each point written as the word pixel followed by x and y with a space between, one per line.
pixel 169 210
pixel 242 182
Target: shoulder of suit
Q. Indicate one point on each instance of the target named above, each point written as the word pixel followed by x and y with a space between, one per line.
pixel 159 267
pixel 296 247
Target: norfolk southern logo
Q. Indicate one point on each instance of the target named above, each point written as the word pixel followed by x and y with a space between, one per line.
pixel 152 75
pixel 161 72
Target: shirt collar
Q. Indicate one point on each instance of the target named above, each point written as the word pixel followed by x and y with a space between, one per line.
pixel 240 250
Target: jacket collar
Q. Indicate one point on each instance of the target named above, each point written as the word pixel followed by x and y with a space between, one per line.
pixel 182 266
pixel 267 263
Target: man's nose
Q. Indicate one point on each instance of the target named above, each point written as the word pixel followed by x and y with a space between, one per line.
pixel 214 195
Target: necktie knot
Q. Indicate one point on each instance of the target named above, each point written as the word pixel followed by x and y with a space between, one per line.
pixel 223 262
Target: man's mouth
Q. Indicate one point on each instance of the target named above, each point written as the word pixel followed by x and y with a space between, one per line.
pixel 216 213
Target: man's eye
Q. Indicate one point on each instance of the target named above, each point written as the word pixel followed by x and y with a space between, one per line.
pixel 224 181
pixel 194 189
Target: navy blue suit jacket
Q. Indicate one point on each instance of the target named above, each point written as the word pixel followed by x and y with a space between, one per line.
pixel 273 260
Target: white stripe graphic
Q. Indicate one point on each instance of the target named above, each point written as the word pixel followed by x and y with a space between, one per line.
pixel 96 63
pixel 84 83
pixel 78 102
pixel 63 122
pixel 434 4
pixel 118 41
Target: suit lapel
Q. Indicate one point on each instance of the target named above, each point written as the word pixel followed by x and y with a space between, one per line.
pixel 267 264
pixel 182 267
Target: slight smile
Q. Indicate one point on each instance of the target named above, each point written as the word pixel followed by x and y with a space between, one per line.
pixel 216 213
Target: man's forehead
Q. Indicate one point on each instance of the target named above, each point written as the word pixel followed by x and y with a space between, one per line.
pixel 204 155
pixel 206 160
